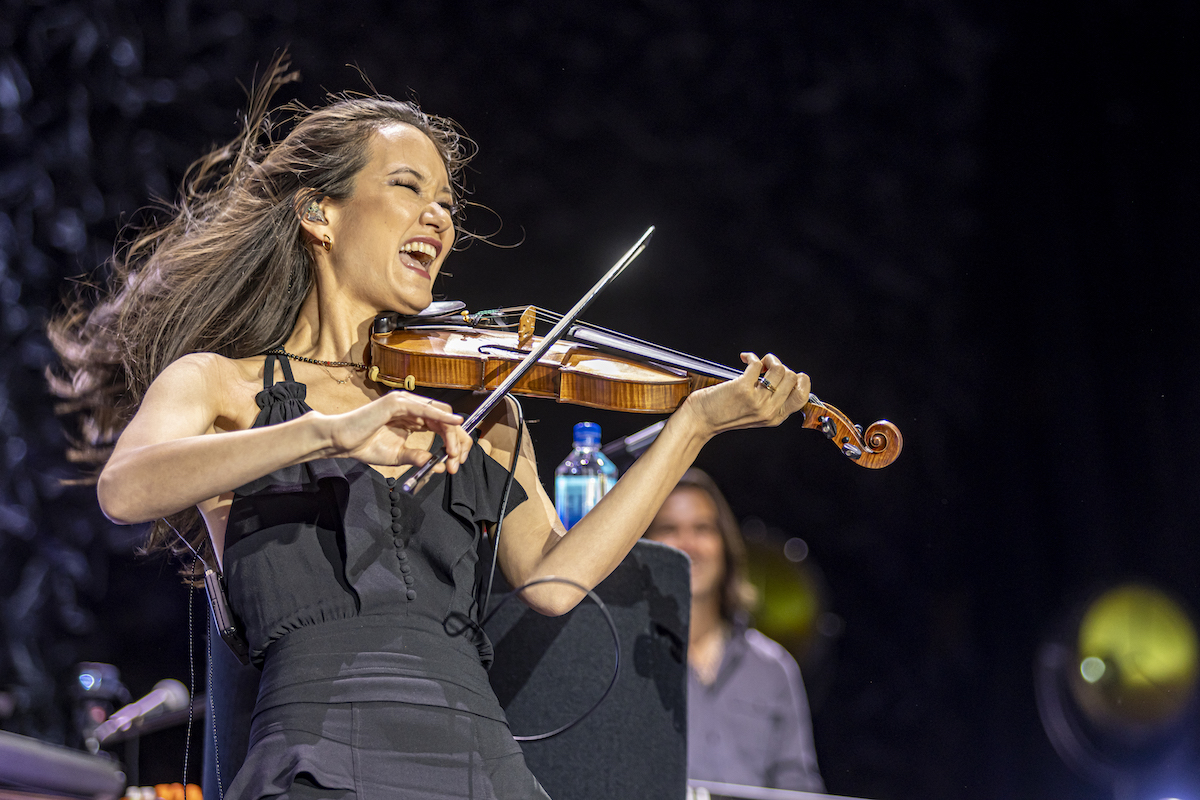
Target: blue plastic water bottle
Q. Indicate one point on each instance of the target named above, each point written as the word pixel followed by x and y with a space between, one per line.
pixel 583 477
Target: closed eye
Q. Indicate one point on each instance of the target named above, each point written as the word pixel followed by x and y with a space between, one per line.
pixel 453 209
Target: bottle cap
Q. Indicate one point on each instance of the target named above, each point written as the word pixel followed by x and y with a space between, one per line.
pixel 587 434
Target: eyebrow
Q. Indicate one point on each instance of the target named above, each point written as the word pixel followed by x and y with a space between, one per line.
pixel 419 177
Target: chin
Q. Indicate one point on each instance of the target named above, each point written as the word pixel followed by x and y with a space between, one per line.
pixel 702 586
pixel 413 303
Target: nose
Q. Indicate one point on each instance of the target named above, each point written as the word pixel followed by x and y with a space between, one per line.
pixel 438 216
pixel 687 543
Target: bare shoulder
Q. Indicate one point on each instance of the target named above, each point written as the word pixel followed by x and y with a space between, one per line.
pixel 227 386
pixel 210 369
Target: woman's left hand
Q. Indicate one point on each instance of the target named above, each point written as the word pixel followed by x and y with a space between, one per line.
pixel 765 394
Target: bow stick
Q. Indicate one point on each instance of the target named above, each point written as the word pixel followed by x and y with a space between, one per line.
pixel 556 333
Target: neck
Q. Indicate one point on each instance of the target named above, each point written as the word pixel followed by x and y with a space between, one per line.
pixel 706 620
pixel 331 328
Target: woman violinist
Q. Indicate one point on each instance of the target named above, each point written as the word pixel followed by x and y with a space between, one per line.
pixel 228 357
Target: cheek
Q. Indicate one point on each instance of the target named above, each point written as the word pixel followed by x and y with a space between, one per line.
pixel 677 541
pixel 712 547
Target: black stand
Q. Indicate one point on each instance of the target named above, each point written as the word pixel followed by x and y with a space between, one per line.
pixel 550 670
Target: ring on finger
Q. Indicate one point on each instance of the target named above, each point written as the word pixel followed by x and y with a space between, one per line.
pixel 766 384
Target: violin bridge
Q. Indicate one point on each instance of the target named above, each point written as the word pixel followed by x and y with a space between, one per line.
pixel 525 329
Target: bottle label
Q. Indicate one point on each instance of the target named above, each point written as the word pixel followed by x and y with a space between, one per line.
pixel 575 495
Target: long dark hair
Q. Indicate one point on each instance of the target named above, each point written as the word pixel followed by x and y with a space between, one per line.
pixel 228 269
pixel 738 595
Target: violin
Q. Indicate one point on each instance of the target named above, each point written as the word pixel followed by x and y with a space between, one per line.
pixel 447 347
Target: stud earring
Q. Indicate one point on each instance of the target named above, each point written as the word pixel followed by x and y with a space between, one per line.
pixel 313 213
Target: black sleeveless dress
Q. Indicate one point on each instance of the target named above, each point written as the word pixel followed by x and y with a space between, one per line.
pixel 358 602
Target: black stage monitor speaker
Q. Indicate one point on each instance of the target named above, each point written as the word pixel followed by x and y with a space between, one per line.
pixel 550 670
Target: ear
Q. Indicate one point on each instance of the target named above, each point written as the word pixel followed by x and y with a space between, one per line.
pixel 311 209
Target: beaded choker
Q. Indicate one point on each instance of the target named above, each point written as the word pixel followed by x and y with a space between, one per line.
pixel 279 351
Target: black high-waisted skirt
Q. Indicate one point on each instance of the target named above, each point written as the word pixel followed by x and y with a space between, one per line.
pixel 377 750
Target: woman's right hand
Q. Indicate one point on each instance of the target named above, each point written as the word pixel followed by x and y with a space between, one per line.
pixel 378 432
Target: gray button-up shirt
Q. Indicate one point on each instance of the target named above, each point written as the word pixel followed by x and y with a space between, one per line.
pixel 752 725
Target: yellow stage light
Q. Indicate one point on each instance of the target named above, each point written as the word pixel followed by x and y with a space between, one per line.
pixel 1137 660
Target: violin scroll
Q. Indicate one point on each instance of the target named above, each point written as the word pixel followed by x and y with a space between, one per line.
pixel 874 448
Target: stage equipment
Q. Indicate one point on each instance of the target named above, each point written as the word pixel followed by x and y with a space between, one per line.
pixel 167 696
pixel 793 600
pixel 1138 662
pixel 32 769
pixel 550 670
pixel 166 706
pixel 1116 693
pixel 95 691
pixel 163 791
pixel 711 790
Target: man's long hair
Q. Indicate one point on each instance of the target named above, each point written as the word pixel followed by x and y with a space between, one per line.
pixel 738 595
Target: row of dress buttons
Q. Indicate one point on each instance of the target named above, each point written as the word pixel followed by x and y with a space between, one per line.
pixel 397 528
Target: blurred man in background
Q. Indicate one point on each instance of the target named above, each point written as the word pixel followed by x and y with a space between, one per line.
pixel 748 718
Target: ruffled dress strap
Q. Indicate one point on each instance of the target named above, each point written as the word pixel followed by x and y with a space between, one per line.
pixel 283 401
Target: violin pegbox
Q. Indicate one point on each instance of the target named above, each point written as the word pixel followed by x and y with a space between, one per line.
pixel 874 448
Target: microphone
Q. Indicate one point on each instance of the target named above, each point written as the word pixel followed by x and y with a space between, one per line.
pixel 166 696
pixel 623 452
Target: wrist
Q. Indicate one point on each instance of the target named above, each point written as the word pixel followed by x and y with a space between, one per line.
pixel 316 433
pixel 691 422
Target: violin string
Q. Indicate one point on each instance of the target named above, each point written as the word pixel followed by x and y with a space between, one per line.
pixel 500 318
pixel 657 352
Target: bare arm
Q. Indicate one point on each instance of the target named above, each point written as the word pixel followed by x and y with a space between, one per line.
pixel 534 544
pixel 171 456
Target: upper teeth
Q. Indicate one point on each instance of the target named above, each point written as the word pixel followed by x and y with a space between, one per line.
pixel 420 247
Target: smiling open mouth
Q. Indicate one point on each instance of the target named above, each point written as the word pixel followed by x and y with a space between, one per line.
pixel 421 252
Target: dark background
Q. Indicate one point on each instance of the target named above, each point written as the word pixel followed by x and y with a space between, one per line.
pixel 976 220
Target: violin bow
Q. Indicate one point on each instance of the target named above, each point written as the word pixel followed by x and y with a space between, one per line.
pixel 409 486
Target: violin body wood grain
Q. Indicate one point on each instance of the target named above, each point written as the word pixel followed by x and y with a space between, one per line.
pixel 466 358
